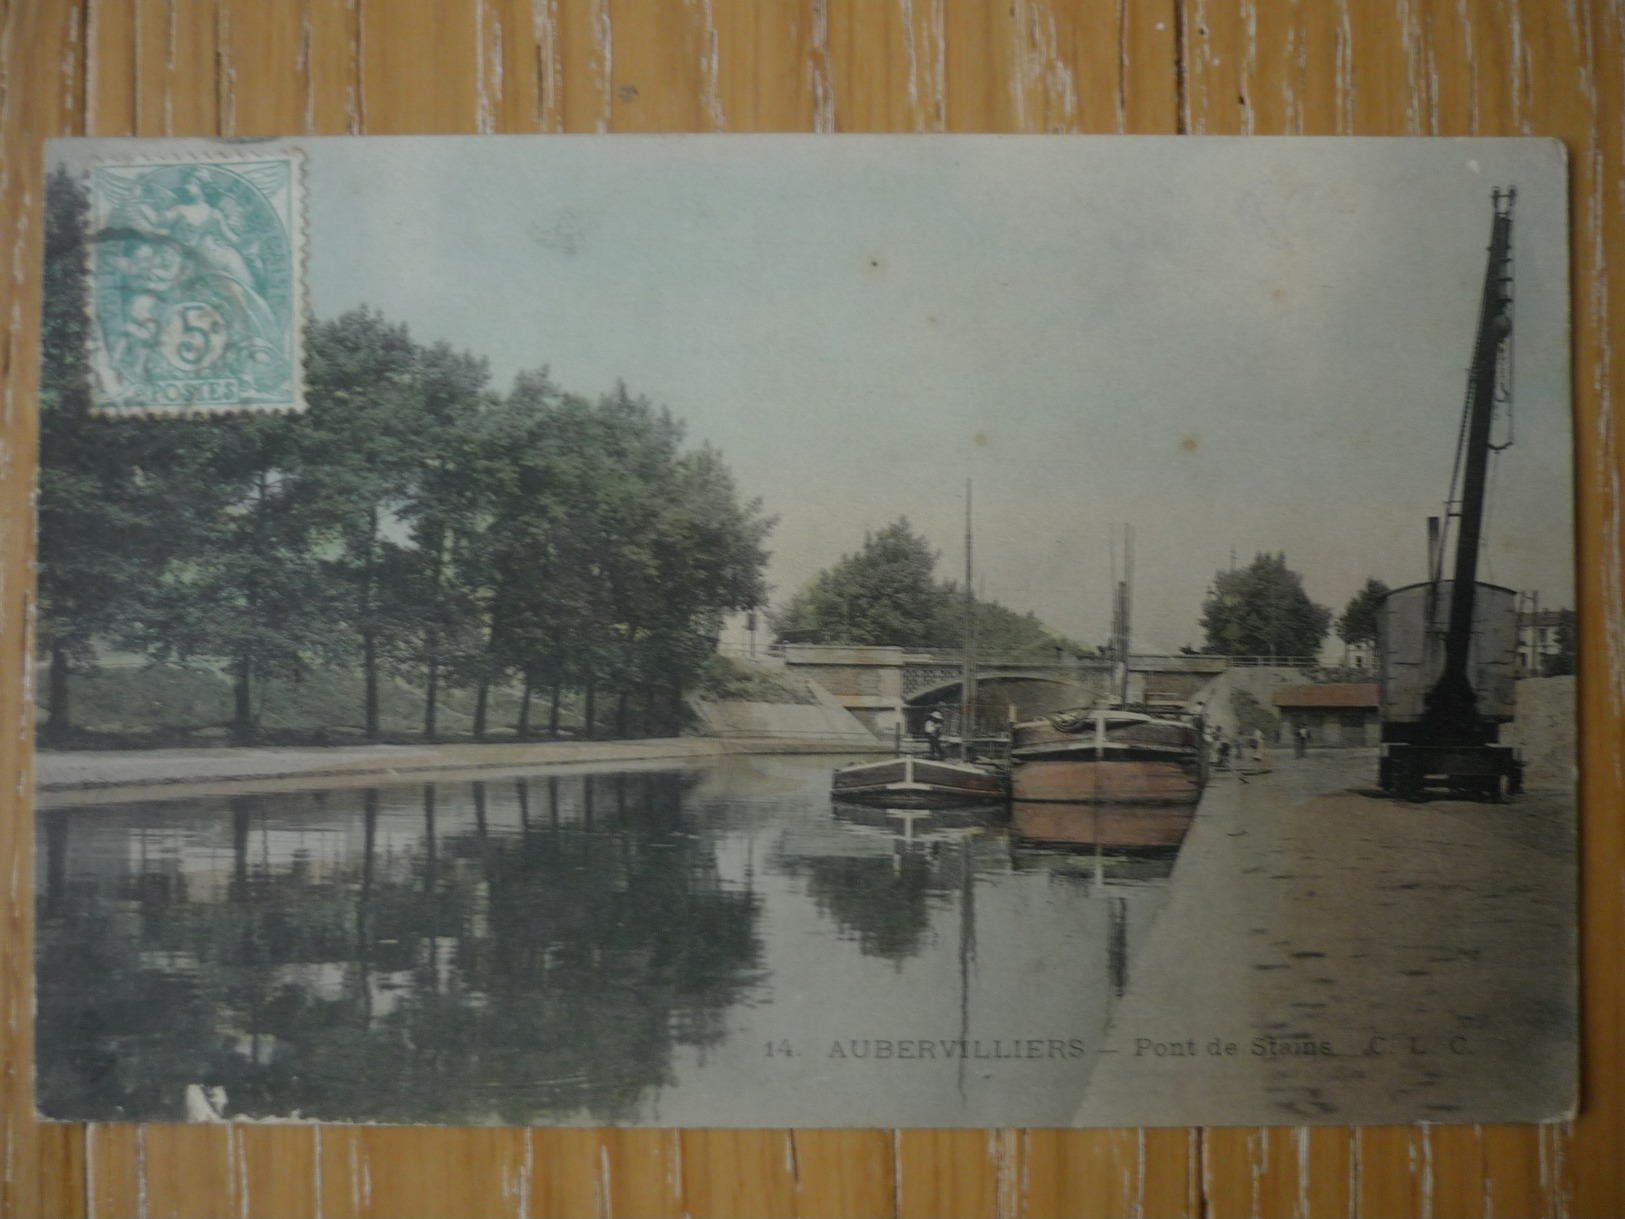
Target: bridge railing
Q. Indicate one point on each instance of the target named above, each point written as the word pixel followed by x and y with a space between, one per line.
pixel 1029 660
pixel 996 660
pixel 1052 661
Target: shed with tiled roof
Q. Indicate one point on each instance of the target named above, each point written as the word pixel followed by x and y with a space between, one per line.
pixel 1340 714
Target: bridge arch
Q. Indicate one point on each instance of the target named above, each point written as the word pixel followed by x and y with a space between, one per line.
pixel 1032 694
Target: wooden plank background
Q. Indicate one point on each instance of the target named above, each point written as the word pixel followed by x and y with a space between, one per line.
pixel 1355 67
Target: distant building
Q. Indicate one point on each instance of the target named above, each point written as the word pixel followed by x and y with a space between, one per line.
pixel 1537 640
pixel 1337 714
pixel 1335 654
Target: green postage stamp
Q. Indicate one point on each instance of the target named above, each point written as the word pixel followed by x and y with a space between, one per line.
pixel 197 283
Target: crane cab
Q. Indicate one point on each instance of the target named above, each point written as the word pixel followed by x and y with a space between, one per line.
pixel 1417 751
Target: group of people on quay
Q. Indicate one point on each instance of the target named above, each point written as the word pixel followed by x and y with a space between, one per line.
pixel 1225 748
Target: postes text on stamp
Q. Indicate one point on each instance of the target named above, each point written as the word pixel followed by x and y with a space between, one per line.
pixel 197 292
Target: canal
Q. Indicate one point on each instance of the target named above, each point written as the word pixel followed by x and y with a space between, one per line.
pixel 702 944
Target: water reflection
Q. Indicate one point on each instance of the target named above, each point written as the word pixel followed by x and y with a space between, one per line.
pixel 1147 829
pixel 605 947
pixel 431 972
pixel 1120 847
pixel 879 889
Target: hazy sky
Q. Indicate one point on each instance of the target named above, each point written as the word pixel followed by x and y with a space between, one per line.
pixel 1247 344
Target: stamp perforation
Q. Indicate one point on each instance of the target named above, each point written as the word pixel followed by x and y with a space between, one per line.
pixel 297 230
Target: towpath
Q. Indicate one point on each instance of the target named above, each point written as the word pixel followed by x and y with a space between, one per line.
pixel 1328 953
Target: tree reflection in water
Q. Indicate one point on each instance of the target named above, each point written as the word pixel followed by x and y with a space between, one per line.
pixel 404 971
pixel 882 904
pixel 883 899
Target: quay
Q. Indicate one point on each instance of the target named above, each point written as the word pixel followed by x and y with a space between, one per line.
pixel 116 776
pixel 1328 950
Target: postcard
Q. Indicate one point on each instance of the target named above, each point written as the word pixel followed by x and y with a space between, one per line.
pixel 796 631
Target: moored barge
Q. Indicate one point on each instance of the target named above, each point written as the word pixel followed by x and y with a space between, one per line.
pixel 1110 755
pixel 910 782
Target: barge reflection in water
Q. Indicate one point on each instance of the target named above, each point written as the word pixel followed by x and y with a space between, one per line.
pixel 713 945
pixel 1143 827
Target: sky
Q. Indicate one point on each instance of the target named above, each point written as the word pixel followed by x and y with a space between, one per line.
pixel 1235 345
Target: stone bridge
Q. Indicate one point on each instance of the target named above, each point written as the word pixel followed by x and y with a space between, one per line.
pixel 885 687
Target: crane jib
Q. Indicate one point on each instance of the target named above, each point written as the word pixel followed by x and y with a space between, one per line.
pixel 1452 704
pixel 1451 739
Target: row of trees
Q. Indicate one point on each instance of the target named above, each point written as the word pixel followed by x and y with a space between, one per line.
pixel 414 522
pixel 887 593
pixel 1263 610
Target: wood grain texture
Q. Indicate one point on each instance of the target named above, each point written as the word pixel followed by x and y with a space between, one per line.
pixel 249 67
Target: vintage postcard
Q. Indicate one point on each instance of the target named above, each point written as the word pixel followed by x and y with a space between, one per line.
pixel 793 631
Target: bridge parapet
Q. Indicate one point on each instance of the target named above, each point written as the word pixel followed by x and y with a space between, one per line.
pixel 876 683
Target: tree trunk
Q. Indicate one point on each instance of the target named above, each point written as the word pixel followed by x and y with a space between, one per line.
pixel 56 698
pixel 588 728
pixel 622 701
pixel 242 724
pixel 431 645
pixel 553 708
pixel 431 695
pixel 521 728
pixel 481 701
pixel 650 728
pixel 369 633
pixel 369 666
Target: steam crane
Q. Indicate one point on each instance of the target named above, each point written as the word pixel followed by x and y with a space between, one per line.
pixel 1447 649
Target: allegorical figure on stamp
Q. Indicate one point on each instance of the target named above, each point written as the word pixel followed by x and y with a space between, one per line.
pixel 195 284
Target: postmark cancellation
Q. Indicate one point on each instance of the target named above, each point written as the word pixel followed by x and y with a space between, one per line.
pixel 197 294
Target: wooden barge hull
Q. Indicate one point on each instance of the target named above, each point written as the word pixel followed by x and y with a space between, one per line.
pixel 1109 755
pixel 1121 781
pixel 918 783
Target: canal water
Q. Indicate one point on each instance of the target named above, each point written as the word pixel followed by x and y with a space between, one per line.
pixel 706 945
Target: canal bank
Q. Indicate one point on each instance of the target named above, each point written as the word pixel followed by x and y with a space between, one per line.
pixel 1327 951
pixel 97 777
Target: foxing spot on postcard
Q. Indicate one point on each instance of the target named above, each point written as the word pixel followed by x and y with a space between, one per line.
pixel 781 631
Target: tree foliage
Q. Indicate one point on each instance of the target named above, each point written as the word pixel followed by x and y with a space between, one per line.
pixel 1263 610
pixel 886 594
pixel 1358 623
pixel 95 508
pixel 413 522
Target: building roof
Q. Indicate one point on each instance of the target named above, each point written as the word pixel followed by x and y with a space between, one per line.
pixel 1328 694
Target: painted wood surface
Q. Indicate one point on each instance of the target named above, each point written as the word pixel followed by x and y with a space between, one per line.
pixel 1358 67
